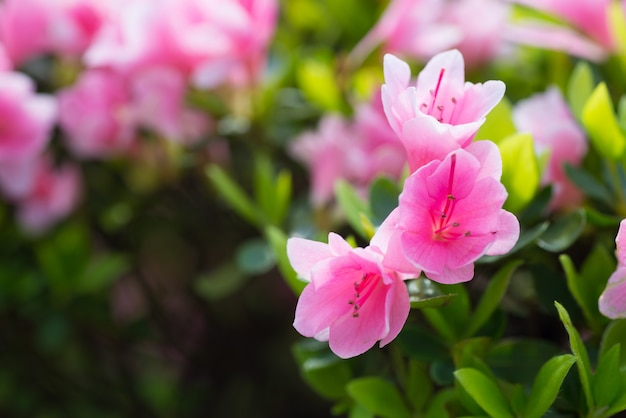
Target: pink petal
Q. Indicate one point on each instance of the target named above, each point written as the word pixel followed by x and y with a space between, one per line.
pixel 453 76
pixel 426 140
pixel 620 243
pixel 506 236
pixel 612 302
pixel 488 155
pixel 453 276
pixel 398 306
pixel 303 254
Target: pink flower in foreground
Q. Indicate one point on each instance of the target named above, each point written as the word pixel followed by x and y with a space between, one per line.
pixel 555 132
pixel 33 27
pixel 441 112
pixel 612 302
pixel 589 35
pixel 351 300
pixel 356 151
pixel 26 118
pixel 450 214
pixel 96 114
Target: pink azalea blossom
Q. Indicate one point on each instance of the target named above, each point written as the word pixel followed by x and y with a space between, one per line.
pixel 589 34
pixel 612 302
pixel 356 151
pixel 212 42
pixel 450 214
pixel 419 29
pixel 555 132
pixel 351 301
pixel 26 118
pixel 51 195
pixel 96 114
pixel 441 112
pixel 32 27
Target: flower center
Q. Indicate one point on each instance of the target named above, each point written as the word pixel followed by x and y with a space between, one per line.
pixel 437 110
pixel 444 228
pixel 363 288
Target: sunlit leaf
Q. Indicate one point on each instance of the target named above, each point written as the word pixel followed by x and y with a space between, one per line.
pixel 579 88
pixel 353 206
pixel 599 120
pixel 379 396
pixel 484 391
pixel 520 170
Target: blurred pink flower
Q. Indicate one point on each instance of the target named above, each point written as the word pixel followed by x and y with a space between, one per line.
pixel 52 195
pixel 555 132
pixel 589 34
pixel 450 214
pixel 419 29
pixel 352 301
pixel 612 302
pixel 26 118
pixel 441 112
pixel 210 41
pixel 96 114
pixel 356 151
pixel 32 27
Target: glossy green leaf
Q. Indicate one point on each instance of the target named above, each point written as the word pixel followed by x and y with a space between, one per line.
pixel 579 88
pixel 564 232
pixel 419 388
pixel 491 297
pixel 383 198
pixel 484 391
pixel 353 206
pixel 420 344
pixel 318 81
pixel 547 385
pixel 615 333
pixel 588 184
pixel 232 193
pixel 520 170
pixel 379 396
pixel 597 218
pixel 278 241
pixel 327 375
pixel 579 350
pixel 606 381
pixel 599 120
pixel 498 124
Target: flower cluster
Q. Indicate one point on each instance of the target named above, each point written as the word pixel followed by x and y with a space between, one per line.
pixel 449 213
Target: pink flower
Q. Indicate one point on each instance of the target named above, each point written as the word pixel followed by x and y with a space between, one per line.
pixel 26 118
pixel 47 195
pixel 352 301
pixel 32 27
pixel 96 114
pixel 419 29
pixel 612 302
pixel 588 36
pixel 441 112
pixel 555 132
pixel 450 214
pixel 356 151
pixel 212 42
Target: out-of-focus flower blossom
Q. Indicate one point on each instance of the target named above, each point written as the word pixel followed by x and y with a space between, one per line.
pixel 555 132
pixel 450 214
pixel 419 29
pixel 52 195
pixel 351 300
pixel 212 42
pixel 26 118
pixel 96 114
pixel 586 31
pixel 441 112
pixel 32 27
pixel 612 302
pixel 356 151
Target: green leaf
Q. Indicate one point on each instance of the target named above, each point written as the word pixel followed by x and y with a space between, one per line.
pixel 499 123
pixel 438 406
pixel 233 194
pixel 579 88
pixel 278 241
pixel 579 350
pixel 520 170
pixel 102 271
pixel 282 192
pixel 220 282
pixel 588 184
pixel 547 385
pixel 597 218
pixel 606 381
pixel 484 391
pixel 383 198
pixel 491 297
pixel 264 183
pixel 433 302
pixel 327 375
pixel 420 344
pixel 255 256
pixel 599 120
pixel 379 396
pixel 564 232
pixel 353 206
pixel 419 388
pixel 615 333
pixel 318 81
